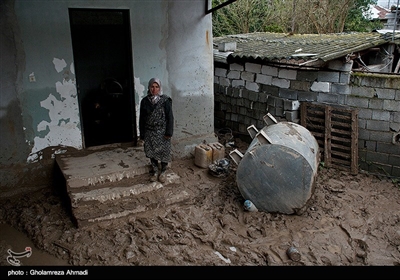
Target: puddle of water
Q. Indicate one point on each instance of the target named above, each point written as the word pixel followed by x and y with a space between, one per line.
pixel 17 242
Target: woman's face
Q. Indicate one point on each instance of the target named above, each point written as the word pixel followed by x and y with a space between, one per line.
pixel 154 89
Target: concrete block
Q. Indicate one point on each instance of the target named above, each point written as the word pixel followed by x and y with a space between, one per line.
pixel 227 46
pixel 291 116
pixel 291 105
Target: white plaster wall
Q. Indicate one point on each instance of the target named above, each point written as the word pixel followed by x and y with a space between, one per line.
pixel 190 78
pixel 171 40
pixel 181 56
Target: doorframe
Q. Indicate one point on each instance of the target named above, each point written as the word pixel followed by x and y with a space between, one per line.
pixel 126 15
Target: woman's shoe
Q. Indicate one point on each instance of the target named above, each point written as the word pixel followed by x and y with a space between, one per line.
pixel 154 177
pixel 162 178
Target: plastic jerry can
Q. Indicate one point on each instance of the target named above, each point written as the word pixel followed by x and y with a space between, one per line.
pixel 218 151
pixel 203 155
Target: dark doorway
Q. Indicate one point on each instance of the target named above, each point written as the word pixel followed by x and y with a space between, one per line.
pixel 103 66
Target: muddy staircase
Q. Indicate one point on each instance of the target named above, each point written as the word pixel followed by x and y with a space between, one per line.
pixel 113 182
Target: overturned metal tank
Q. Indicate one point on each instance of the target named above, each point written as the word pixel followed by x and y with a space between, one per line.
pixel 278 170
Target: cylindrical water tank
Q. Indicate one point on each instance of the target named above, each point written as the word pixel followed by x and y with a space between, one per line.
pixel 278 170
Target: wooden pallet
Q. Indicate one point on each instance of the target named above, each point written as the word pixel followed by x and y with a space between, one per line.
pixel 335 128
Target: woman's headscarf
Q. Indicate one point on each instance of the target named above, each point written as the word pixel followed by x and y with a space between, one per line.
pixel 154 80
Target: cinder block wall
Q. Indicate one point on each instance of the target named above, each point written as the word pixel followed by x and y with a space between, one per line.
pixel 244 93
pixel 378 99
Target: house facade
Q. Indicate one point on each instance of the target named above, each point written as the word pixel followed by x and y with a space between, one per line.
pixel 72 70
pixel 256 74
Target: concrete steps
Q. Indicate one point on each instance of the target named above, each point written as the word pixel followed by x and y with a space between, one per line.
pixel 114 182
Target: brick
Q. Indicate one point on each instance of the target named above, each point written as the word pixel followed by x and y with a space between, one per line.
pixel 252 86
pixel 380 115
pixel 340 88
pixel 394 160
pixel 365 114
pixel 291 115
pixel 377 125
pixel 291 105
pixel 377 157
pixel 252 67
pixel 219 72
pixel 237 83
pixel 330 77
pixel 263 97
pixel 233 75
pixel 391 105
pixel 344 77
pixel 381 136
pixel 225 82
pixel 327 98
pixel 362 91
pixel 236 66
pixel 394 126
pixel 287 74
pixel 269 70
pixel 263 79
pixel 375 104
pixel 363 134
pixel 383 93
pixel 307 75
pixel 253 95
pixel 321 86
pixel 379 168
pixel 288 93
pixel 281 83
pixel 357 101
pixel 307 96
pixel 300 85
pixel 247 76
pixel 371 145
pixel 388 148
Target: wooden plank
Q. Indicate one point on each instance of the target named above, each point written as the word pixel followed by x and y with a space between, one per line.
pixel 335 154
pixel 303 114
pixel 335 128
pixel 341 147
pixel 327 142
pixel 341 132
pixel 354 142
pixel 348 140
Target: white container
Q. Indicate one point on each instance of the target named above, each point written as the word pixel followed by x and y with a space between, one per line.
pixel 218 151
pixel 203 155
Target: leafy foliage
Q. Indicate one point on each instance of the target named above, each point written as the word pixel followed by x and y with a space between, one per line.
pixel 296 16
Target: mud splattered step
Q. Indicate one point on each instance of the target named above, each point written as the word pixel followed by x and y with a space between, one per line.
pixel 115 200
pixel 113 183
pixel 82 169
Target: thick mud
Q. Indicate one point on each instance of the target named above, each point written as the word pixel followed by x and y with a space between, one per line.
pixel 351 220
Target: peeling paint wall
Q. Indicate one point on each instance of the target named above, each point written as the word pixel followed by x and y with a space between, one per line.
pixel 140 91
pixel 39 108
pixel 63 127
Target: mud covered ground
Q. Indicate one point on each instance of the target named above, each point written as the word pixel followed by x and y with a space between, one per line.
pixel 351 220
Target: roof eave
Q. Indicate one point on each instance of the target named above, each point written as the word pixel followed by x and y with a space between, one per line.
pixel 290 62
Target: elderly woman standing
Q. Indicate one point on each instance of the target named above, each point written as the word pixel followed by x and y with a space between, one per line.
pixel 156 125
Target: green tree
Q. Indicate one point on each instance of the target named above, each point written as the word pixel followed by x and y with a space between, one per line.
pixel 242 16
pixel 297 16
pixel 357 19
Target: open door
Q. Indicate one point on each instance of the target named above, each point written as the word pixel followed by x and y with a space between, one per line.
pixel 101 44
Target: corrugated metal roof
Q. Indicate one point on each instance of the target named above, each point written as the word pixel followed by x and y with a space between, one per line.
pixel 298 49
